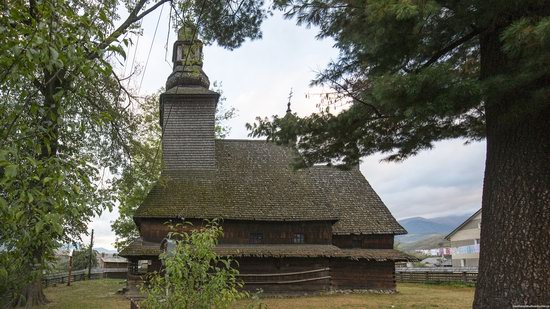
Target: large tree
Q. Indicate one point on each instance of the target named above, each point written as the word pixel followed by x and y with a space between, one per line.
pixel 66 116
pixel 419 71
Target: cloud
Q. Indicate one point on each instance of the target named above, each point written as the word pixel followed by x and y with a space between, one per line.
pixel 103 235
pixel 445 180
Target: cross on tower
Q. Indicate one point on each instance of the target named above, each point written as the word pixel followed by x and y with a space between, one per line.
pixel 288 110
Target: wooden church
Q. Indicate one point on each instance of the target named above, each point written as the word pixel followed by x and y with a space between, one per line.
pixel 292 231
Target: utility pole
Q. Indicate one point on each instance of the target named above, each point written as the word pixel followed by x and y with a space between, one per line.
pixel 70 267
pixel 90 256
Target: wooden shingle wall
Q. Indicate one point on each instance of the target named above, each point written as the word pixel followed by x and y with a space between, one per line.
pixel 188 133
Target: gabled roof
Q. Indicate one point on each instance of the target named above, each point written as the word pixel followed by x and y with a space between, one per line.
pixel 254 180
pixel 448 237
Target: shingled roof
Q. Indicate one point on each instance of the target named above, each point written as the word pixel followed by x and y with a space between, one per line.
pixel 139 248
pixel 329 251
pixel 359 208
pixel 254 180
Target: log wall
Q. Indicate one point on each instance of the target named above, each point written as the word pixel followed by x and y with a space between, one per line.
pixel 285 275
pixel 382 241
pixel 362 275
pixel 238 232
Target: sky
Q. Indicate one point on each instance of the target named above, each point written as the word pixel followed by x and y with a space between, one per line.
pixel 256 80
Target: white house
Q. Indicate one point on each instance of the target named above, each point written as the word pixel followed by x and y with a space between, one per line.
pixel 465 241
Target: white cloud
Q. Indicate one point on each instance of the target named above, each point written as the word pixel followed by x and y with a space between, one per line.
pixel 445 180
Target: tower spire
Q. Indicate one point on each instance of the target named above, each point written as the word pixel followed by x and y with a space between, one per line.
pixel 288 110
pixel 187 59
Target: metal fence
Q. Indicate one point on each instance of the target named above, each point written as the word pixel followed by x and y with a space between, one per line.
pixel 79 275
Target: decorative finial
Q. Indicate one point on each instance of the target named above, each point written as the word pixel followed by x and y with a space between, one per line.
pixel 288 110
pixel 187 58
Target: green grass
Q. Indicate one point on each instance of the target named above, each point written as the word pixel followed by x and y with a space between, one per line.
pixel 92 294
pixel 410 295
pixel 101 294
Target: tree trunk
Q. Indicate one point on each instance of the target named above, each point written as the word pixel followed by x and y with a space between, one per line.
pixel 32 294
pixel 514 264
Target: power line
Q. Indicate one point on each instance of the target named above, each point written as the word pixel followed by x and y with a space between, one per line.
pixel 134 57
pixel 150 48
pixel 168 36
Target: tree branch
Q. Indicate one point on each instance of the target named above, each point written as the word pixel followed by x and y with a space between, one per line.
pixel 442 52
pixel 132 18
pixel 354 97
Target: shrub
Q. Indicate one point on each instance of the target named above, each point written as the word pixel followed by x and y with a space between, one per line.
pixel 193 275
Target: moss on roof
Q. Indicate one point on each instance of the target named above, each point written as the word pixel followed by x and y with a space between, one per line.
pixel 328 251
pixel 359 208
pixel 139 248
pixel 254 180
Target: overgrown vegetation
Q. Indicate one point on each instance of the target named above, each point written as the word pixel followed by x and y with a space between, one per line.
pixel 193 276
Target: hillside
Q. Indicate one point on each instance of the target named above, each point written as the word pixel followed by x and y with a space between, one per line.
pixel 428 233
pixel 426 242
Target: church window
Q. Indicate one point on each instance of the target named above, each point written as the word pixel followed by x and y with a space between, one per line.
pixel 298 238
pixel 256 238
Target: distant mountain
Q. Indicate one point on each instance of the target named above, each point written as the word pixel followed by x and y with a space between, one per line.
pixel 427 242
pixel 419 225
pixel 428 233
pixel 438 225
pixel 104 250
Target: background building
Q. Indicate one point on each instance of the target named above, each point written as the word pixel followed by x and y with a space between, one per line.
pixel 465 242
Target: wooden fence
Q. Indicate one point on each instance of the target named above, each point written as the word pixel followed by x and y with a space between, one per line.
pixel 79 275
pixel 439 274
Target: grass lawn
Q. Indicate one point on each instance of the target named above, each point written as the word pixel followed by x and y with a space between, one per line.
pixel 410 295
pixel 92 294
pixel 101 294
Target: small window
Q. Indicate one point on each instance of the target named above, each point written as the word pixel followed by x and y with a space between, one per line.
pixel 298 238
pixel 256 238
pixel 356 243
pixel 462 262
pixel 179 53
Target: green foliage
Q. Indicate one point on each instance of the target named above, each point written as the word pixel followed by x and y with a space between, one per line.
pixel 193 275
pixel 81 258
pixel 66 131
pixel 411 74
pixel 223 113
pixel 141 172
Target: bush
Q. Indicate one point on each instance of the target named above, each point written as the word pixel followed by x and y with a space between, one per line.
pixel 193 276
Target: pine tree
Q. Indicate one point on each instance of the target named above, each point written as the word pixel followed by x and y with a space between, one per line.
pixel 416 72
